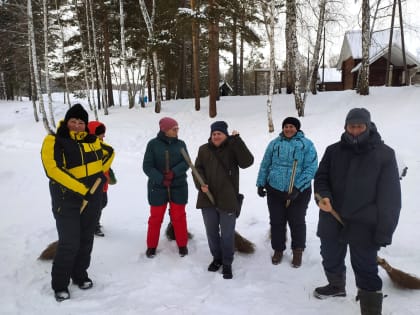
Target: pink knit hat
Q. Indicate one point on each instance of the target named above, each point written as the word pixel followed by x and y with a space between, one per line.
pixel 167 123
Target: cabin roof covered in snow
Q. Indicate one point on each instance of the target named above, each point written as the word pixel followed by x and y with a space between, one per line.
pixel 352 47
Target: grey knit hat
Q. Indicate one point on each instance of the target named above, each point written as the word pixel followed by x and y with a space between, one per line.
pixel 358 116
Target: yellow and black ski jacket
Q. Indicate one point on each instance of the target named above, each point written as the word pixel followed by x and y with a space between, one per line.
pixel 75 160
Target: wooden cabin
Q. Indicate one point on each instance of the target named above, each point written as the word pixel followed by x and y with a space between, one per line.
pixel 351 56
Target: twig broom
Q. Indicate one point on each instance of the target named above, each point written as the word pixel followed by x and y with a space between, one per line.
pixel 398 277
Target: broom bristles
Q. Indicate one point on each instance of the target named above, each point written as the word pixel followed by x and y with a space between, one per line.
pixel 398 277
pixel 49 252
pixel 243 245
pixel 170 233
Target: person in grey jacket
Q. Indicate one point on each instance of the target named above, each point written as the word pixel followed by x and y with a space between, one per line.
pixel 358 178
pixel 286 171
pixel 218 163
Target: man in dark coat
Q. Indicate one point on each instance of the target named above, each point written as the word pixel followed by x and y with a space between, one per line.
pixel 166 170
pixel 358 178
pixel 218 163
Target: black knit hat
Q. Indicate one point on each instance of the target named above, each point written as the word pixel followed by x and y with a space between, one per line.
pixel 358 116
pixel 77 111
pixel 221 126
pixel 292 121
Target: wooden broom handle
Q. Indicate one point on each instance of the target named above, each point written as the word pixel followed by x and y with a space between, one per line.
pixel 91 191
pixel 333 212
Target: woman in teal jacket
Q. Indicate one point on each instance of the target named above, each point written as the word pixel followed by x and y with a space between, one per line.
pixel 288 205
pixel 166 169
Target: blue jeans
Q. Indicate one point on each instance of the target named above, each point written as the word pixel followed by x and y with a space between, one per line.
pixel 220 230
pixel 363 262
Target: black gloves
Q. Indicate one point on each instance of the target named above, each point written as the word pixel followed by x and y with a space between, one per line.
pixel 294 194
pixel 261 191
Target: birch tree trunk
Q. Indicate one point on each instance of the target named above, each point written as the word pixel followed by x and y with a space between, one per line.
pixel 124 58
pixel 269 22
pixel 149 26
pixel 294 52
pixel 364 71
pixel 95 55
pixel 98 62
pixel 46 63
pixel 63 52
pixel 290 75
pixel 31 73
pixel 196 55
pixel 315 58
pixel 35 66
pixel 84 62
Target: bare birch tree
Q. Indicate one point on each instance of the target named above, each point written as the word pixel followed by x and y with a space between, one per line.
pixel 63 52
pixel 124 58
pixel 46 62
pixel 313 71
pixel 294 53
pixel 86 58
pixel 269 12
pixel 196 54
pixel 98 62
pixel 31 34
pixel 149 24
pixel 31 73
pixel 363 86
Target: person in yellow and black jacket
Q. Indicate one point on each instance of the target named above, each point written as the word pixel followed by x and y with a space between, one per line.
pixel 73 161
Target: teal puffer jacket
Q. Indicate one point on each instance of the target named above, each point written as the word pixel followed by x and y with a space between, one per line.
pixel 276 166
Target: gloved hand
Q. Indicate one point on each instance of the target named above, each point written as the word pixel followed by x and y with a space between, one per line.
pixel 88 196
pixel 261 191
pixel 168 176
pixel 294 194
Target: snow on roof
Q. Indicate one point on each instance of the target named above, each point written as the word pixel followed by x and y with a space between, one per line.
pixel 352 46
pixel 330 74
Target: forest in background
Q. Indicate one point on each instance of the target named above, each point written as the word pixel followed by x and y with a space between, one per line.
pixel 172 49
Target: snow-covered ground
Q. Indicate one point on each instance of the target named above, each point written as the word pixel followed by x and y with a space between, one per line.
pixel 126 282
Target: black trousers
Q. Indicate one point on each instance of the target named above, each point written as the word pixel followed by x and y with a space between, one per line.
pixel 75 239
pixel 294 216
pixel 362 259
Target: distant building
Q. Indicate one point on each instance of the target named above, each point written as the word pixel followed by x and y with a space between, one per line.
pixel 225 89
pixel 351 56
pixel 329 79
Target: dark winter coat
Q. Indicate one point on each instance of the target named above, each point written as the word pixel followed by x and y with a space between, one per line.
pixel 362 183
pixel 234 154
pixel 277 164
pixel 154 166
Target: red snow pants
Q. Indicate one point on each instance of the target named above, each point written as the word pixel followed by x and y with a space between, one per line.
pixel 178 219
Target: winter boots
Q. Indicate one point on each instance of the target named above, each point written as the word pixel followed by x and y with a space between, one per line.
pixel 335 287
pixel 85 284
pixel 370 302
pixel 183 251
pixel 227 272
pixel 61 295
pixel 151 252
pixel 277 257
pixel 98 231
pixel 215 265
pixel 297 257
pixel 329 291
